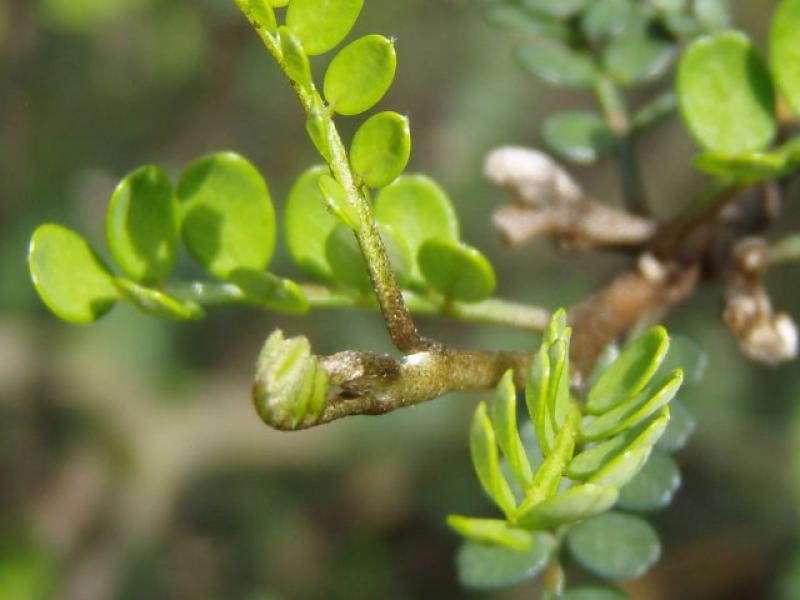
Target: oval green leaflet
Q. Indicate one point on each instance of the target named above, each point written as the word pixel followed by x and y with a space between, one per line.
pixel 70 278
pixel 142 225
pixel 417 209
pixel 455 270
pixel 557 63
pixel 726 95
pixel 578 135
pixel 307 224
pixel 321 24
pixel 488 567
pixel 615 546
pixel 381 148
pixel 785 51
pixel 360 75
pixel 227 217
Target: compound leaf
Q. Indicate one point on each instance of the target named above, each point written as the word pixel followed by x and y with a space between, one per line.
pixel 308 223
pixel 487 567
pixel 321 24
pixel 578 135
pixel 785 51
pixel 360 75
pixel 726 94
pixel 653 487
pixel 627 375
pixel 227 217
pixel 142 225
pixel 70 278
pixel 381 148
pixel 455 270
pixel 615 546
pixel 558 63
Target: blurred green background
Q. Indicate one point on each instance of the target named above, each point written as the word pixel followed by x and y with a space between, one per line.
pixel 131 462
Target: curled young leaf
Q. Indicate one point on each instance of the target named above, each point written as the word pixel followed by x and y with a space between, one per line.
pixel 227 217
pixel 142 225
pixel 360 75
pixel 321 24
pixel 70 278
pixel 290 390
pixel 307 224
pixel 381 148
pixel 455 270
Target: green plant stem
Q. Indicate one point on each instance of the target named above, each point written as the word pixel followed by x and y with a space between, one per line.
pixel 615 111
pixel 397 317
pixel 554 581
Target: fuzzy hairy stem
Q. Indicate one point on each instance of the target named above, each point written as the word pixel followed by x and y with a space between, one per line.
pixel 374 384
